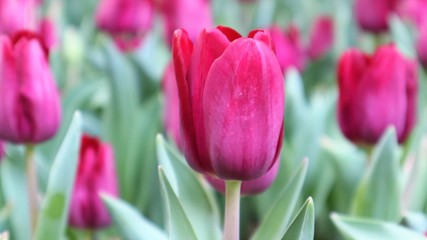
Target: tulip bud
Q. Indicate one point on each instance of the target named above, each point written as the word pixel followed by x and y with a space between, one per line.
pixel 421 44
pixel 372 16
pixel 250 187
pixel 321 37
pixel 29 101
pixel 171 110
pixel 48 32
pixel 375 92
pixel 289 47
pixel 231 96
pixel 95 174
pixel 126 21
pixel 191 15
pixel 16 16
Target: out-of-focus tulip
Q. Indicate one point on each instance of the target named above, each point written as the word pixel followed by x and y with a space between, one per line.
pixel 1 150
pixel 95 174
pixel 375 92
pixel 372 16
pixel 248 187
pixel 126 21
pixel 231 95
pixel 421 44
pixel 47 32
pixel 321 37
pixel 29 101
pixel 415 10
pixel 17 15
pixel 191 15
pixel 171 110
pixel 289 47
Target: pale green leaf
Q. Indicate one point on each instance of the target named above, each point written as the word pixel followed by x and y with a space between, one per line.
pixel 302 227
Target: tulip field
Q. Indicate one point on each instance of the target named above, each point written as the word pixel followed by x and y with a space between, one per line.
pixel 213 119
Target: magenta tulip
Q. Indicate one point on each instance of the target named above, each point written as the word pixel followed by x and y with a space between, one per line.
pixel 415 10
pixel 250 187
pixel 126 21
pixel 321 37
pixel 191 15
pixel 289 47
pixel 375 92
pixel 47 31
pixel 171 109
pixel 421 44
pixel 95 174
pixel 17 15
pixel 231 95
pixel 29 101
pixel 372 16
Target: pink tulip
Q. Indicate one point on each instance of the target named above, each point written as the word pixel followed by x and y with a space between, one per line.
pixel 372 16
pixel 191 15
pixel 321 37
pixel 95 174
pixel 415 10
pixel 289 47
pixel 48 33
pixel 375 92
pixel 171 110
pixel 126 21
pixel 231 96
pixel 250 187
pixel 421 44
pixel 17 15
pixel 29 104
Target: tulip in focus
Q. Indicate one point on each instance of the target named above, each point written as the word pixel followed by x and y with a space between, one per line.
pixel 126 21
pixel 95 174
pixel 289 47
pixel 250 187
pixel 29 104
pixel 17 15
pixel 372 16
pixel 171 109
pixel 48 33
pixel 375 92
pixel 191 15
pixel 231 95
pixel 321 37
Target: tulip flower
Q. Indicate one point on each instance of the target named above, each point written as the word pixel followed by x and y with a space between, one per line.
pixel 16 15
pixel 415 10
pixel 249 187
pixel 421 44
pixel 231 96
pixel 48 32
pixel 126 21
pixel 375 92
pixel 191 15
pixel 321 37
pixel 95 174
pixel 289 47
pixel 372 16
pixel 29 101
pixel 171 110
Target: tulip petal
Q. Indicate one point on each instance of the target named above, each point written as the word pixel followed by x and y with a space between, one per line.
pixel 243 109
pixel 230 33
pixel 263 36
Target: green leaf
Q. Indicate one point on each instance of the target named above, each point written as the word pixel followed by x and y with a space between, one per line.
pixel 53 215
pixel 362 229
pixel 378 194
pixel 302 227
pixel 274 224
pixel 197 203
pixel 179 224
pixel 131 224
pixel 402 36
pixel 14 186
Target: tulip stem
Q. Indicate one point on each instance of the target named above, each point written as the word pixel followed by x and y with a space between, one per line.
pixel 31 184
pixel 232 210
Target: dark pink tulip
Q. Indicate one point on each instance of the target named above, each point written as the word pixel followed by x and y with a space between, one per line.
pixel 321 37
pixel 47 32
pixel 289 47
pixel 375 92
pixel 415 10
pixel 231 96
pixel 421 44
pixel 171 109
pixel 372 16
pixel 126 21
pixel 17 15
pixel 29 101
pixel 250 187
pixel 191 15
pixel 95 174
